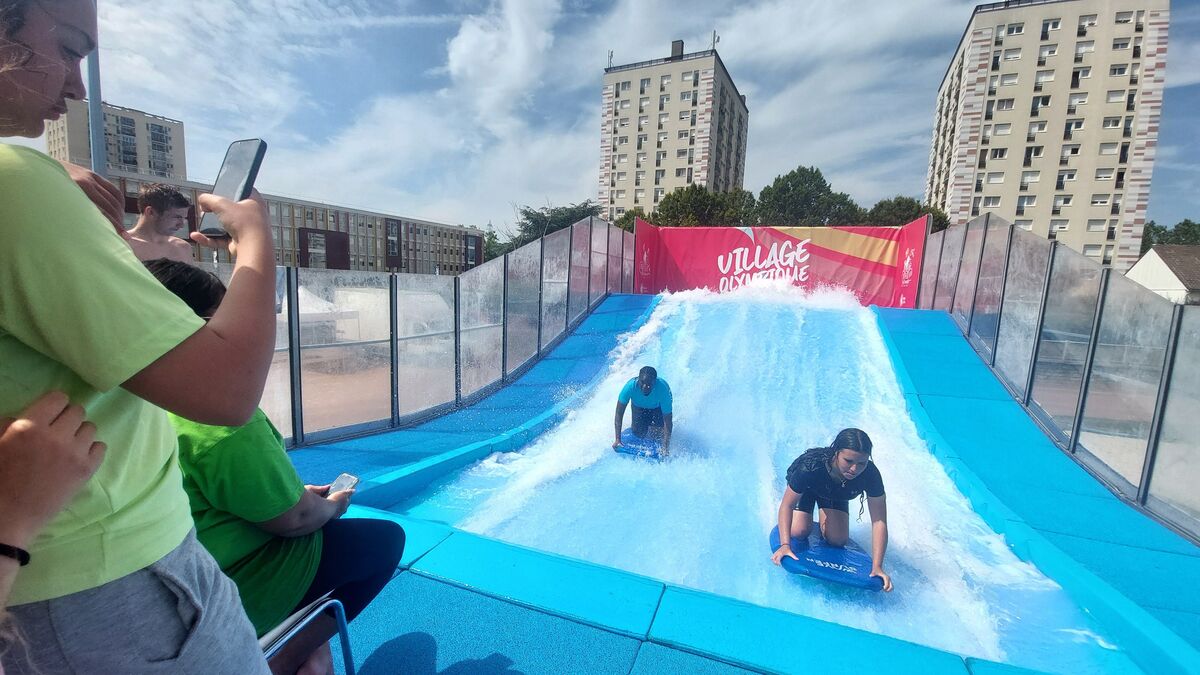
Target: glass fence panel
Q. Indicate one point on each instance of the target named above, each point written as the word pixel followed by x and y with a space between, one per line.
pixel 1022 303
pixel 556 267
pixel 599 274
pixel 1177 466
pixel 581 244
pixel 627 264
pixel 345 351
pixel 985 319
pixel 615 258
pixel 1063 343
pixel 277 394
pixel 481 303
pixel 929 268
pixel 952 249
pixel 522 304
pixel 425 341
pixel 964 292
pixel 1126 369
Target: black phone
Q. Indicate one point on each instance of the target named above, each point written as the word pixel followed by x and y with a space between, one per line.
pixel 235 180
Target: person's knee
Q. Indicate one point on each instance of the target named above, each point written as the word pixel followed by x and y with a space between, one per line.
pixel 837 538
pixel 389 540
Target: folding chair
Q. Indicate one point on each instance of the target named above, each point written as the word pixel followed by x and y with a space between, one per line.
pixel 279 636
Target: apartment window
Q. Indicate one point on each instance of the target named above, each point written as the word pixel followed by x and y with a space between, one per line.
pixel 623 140
pixel 1004 104
pixel 1046 51
pixel 1025 202
pixel 642 122
pixel 662 136
pixel 681 152
pixel 1077 100
pixel 663 100
pixel 999 153
pixel 991 202
pixel 1012 54
pixel 663 118
pixel 664 81
pixel 643 103
pixel 622 159
pixel 1067 175
pixel 687 75
pixel 1043 76
pixel 1003 129
pixel 1008 79
pixel 1100 200
pixel 1016 28
pixel 1112 123
pixel 641 157
pixel 1059 202
pixel 620 194
pixel 1074 124
pixel 684 114
pixel 1092 250
pixel 1104 173
pixel 1085 47
pixel 1118 70
pixel 1037 150
pixel 1124 17
pixel 685 96
pixel 1087 21
pixel 1024 224
pixel 1059 225
pixel 1031 176
pixel 1051 24
pixel 621 175
pixel 1120 43
pixel 1095 225
pixel 995 177
pixel 683 134
pixel 625 85
pixel 639 194
pixel 658 194
pixel 620 210
pixel 1115 96
pixel 644 85
pixel 680 173
pixel 624 103
pixel 1037 127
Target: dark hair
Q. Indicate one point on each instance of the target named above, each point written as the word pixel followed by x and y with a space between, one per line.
pixel 161 197
pixel 201 290
pixel 12 20
pixel 649 373
pixel 852 439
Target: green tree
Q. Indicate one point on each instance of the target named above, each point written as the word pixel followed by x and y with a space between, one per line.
pixel 492 246
pixel 804 197
pixel 694 206
pixel 740 208
pixel 533 223
pixel 901 210
pixel 1186 231
pixel 626 221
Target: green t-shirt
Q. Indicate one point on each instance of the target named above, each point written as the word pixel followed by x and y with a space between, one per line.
pixel 236 477
pixel 80 314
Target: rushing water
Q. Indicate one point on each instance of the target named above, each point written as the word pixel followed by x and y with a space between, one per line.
pixel 759 375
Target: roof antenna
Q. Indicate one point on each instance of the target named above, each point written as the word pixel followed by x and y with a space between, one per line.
pixel 715 39
pixel 610 57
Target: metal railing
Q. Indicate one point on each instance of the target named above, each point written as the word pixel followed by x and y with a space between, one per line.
pixel 1107 368
pixel 371 351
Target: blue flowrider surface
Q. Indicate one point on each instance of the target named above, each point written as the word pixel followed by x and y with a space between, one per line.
pixel 1046 494
pixel 849 565
pixel 636 446
pixel 565 370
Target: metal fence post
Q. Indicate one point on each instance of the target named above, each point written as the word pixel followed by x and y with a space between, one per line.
pixel 541 289
pixel 1160 406
pixel 294 360
pixel 1089 359
pixel 987 220
pixel 457 341
pixel 570 271
pixel 504 323
pixel 394 344
pixel 1003 288
pixel 1041 322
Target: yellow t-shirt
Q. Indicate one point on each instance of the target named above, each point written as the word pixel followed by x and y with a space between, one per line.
pixel 79 313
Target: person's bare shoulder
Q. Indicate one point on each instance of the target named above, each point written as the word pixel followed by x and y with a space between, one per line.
pixel 181 250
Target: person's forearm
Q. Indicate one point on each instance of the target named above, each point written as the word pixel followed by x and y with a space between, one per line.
pixel 317 511
pixel 246 318
pixel 785 523
pixel 879 541
pixel 618 419
pixel 667 427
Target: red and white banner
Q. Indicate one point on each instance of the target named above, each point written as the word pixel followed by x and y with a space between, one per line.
pixel 879 264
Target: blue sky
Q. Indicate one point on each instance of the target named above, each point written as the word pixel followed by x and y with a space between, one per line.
pixel 458 111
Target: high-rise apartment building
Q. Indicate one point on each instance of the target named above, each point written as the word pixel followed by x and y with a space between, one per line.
pixel 667 124
pixel 136 142
pixel 1048 117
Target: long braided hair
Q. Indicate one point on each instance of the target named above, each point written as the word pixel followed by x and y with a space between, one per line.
pixel 858 441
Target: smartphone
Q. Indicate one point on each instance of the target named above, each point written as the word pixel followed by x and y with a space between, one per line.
pixel 343 482
pixel 235 180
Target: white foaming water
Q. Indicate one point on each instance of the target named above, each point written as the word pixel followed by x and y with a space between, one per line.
pixel 759 375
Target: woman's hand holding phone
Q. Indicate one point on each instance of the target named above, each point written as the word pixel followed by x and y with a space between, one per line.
pixel 244 220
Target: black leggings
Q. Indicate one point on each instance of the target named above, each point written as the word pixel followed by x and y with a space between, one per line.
pixel 358 557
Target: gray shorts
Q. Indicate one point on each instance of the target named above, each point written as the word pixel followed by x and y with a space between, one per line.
pixel 179 615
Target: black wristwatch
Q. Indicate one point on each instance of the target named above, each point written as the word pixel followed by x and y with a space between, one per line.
pixel 18 554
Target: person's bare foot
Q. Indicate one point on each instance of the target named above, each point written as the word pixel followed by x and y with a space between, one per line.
pixel 320 662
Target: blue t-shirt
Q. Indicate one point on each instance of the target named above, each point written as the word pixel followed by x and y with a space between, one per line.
pixel 660 395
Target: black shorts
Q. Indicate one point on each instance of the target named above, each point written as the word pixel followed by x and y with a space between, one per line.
pixel 808 499
pixel 645 418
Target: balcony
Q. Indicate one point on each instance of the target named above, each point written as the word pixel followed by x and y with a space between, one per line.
pixel 1079 58
pixel 995 63
pixel 983 161
pixel 1060 186
pixel 1119 184
pixel 1124 154
pixel 1112 234
pixel 986 140
pixel 1057 210
pixel 979 185
pixel 1041 61
pixel 1037 86
pixel 1029 138
pixel 1023 187
pixel 1071 109
pixel 1074 80
pixel 1064 161
pixel 1127 132
pixel 991 91
pixel 1021 210
pixel 1081 31
pixel 1137 52
pixel 1045 34
pixel 1138 27
pixel 1028 161
pixel 1115 210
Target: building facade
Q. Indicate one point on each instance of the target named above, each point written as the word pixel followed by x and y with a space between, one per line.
pixel 135 141
pixel 1048 117
pixel 667 124
pixel 313 234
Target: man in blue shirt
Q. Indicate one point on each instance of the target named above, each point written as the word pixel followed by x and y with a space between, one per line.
pixel 651 398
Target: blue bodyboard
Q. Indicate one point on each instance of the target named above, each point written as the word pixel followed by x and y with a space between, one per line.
pixel 638 447
pixel 849 565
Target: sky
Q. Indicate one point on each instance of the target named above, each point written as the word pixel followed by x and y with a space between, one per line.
pixel 459 111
